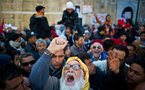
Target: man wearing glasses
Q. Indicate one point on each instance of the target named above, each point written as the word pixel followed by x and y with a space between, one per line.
pixel 71 71
pixel 26 62
pixel 97 52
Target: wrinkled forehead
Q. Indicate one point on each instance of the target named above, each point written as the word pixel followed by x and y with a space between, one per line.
pixel 73 62
pixel 96 44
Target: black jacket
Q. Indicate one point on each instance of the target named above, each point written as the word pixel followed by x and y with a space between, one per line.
pixel 96 80
pixel 116 81
pixel 40 26
pixel 70 20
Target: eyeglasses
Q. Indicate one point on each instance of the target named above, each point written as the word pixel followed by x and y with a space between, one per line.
pixel 99 47
pixel 27 63
pixel 75 67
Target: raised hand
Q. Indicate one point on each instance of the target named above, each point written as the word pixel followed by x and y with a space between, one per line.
pixel 57 44
pixel 113 62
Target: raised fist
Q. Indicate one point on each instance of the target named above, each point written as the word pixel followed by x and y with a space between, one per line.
pixel 57 44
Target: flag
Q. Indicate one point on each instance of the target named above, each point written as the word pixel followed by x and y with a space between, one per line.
pixel 2 26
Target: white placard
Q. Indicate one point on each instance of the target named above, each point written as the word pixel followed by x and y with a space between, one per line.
pixel 87 9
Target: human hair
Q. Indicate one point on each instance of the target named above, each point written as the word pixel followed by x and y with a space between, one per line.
pixel 140 61
pixel 143 32
pixel 25 55
pixel 8 72
pixel 84 56
pixel 122 48
pixel 77 37
pixel 40 40
pixel 101 28
pixel 68 28
pixel 13 36
pixel 108 44
pixel 108 15
pixel 123 33
pixel 38 8
pixel 134 47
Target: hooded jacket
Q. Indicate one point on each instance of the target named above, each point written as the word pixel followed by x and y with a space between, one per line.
pixel 39 24
pixel 70 20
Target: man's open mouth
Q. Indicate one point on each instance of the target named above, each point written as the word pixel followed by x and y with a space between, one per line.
pixel 70 80
pixel 97 52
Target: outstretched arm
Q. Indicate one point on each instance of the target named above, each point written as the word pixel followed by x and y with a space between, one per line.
pixel 40 71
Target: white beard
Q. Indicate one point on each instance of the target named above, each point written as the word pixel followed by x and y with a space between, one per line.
pixel 79 84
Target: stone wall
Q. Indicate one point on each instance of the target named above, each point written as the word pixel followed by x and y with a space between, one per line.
pixel 18 12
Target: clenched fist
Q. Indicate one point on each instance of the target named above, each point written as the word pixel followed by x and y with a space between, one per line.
pixel 57 44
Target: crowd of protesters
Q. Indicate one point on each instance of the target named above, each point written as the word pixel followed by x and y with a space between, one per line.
pixel 68 56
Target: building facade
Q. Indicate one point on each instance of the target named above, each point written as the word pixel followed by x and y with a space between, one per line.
pixel 18 12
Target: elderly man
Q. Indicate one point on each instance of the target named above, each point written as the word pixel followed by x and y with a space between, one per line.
pixel 41 46
pixel 75 75
pixel 72 71
pixel 97 52
pixel 114 68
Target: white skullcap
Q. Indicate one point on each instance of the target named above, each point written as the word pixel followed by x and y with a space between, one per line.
pixel 69 5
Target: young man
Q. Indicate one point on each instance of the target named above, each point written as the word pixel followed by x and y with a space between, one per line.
pixel 132 53
pixel 13 44
pixel 87 40
pixel 39 23
pixel 31 46
pixel 69 35
pixel 45 64
pixel 70 17
pixel 121 40
pixel 78 46
pixel 136 73
pixel 100 34
pixel 142 39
